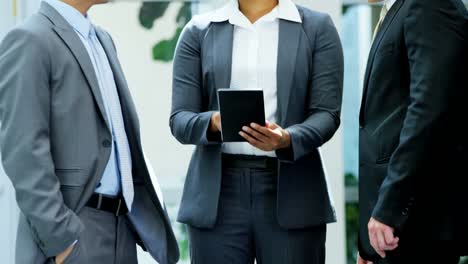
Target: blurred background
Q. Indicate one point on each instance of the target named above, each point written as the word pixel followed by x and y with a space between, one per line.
pixel 146 33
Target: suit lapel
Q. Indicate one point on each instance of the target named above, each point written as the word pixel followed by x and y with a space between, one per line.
pixel 73 42
pixel 289 38
pixel 375 46
pixel 81 55
pixel 223 34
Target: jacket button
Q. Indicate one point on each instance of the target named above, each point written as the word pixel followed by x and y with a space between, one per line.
pixel 405 212
pixel 106 143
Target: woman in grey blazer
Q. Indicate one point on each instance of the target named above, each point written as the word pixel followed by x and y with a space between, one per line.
pixel 267 198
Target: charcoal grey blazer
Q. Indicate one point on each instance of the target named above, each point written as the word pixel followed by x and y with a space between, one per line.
pixel 310 77
pixel 55 141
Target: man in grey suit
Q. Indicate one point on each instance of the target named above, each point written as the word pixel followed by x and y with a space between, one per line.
pixel 265 199
pixel 71 146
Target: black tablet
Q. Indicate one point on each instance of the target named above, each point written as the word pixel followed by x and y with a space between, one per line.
pixel 239 107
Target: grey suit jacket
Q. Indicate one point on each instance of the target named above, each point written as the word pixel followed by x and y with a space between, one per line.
pixel 55 141
pixel 310 77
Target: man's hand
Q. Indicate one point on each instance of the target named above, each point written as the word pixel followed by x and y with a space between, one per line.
pixel 267 138
pixel 215 124
pixel 362 261
pixel 60 258
pixel 381 237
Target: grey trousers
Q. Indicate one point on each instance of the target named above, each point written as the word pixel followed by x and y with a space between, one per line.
pixel 247 228
pixel 107 239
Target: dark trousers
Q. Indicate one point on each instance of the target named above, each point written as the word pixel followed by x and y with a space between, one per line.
pixel 107 239
pixel 247 228
pixel 418 251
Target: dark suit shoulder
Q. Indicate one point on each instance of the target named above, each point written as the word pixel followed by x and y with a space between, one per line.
pixel 435 16
pixel 196 28
pixel 314 22
pixel 455 7
pixel 200 24
pixel 202 21
pixel 311 15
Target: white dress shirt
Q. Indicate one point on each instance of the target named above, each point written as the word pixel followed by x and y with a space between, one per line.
pixel 255 59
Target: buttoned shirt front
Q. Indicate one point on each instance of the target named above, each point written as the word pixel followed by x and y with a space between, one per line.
pixel 255 59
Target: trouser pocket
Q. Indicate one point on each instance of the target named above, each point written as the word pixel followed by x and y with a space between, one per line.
pixel 73 257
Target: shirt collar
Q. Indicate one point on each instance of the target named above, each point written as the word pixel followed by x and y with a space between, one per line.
pixel 80 23
pixel 285 10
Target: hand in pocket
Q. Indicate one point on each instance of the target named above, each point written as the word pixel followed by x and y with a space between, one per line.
pixel 60 258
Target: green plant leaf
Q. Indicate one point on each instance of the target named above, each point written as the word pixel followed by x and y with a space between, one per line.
pixel 184 244
pixel 185 14
pixel 352 231
pixel 351 180
pixel 164 50
pixel 150 12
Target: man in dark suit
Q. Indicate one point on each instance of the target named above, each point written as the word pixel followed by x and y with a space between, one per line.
pixel 70 143
pixel 413 143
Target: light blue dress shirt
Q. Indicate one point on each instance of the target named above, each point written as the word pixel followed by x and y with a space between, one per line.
pixel 111 179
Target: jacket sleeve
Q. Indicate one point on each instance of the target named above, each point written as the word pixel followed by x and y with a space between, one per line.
pixel 430 25
pixel 189 123
pixel 325 95
pixel 25 141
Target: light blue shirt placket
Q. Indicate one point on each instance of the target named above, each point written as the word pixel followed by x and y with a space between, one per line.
pixel 111 181
pixel 120 160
